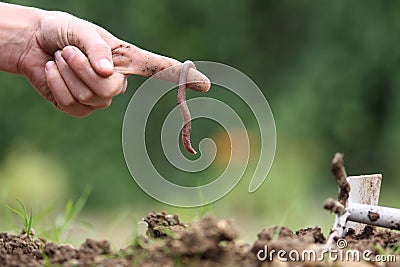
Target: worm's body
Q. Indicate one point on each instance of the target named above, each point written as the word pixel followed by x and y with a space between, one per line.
pixel 129 59
pixel 186 118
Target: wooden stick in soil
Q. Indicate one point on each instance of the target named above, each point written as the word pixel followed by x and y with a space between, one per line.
pixel 338 207
pixel 334 206
pixel 339 172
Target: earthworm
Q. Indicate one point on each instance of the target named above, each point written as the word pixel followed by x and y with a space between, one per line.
pixel 186 118
pixel 129 59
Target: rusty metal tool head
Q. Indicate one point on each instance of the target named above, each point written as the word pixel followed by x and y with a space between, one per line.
pixel 359 205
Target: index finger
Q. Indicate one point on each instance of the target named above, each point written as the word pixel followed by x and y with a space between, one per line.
pixel 130 59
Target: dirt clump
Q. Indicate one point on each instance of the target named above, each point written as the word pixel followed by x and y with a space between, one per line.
pixel 375 240
pixel 160 224
pixel 373 216
pixel 19 250
pixel 272 240
pixel 208 242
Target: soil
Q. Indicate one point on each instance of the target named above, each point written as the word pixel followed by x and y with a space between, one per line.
pixel 208 242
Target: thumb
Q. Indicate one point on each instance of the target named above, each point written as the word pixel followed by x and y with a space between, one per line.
pixel 98 52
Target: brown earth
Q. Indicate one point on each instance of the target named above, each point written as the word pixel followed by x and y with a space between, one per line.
pixel 208 242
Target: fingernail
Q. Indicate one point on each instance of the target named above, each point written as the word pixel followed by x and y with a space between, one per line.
pixel 57 55
pixel 68 53
pixel 106 64
pixel 49 65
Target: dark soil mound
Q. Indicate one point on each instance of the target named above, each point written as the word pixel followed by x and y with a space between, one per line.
pixel 208 242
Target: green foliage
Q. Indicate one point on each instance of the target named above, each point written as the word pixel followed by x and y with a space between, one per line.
pixel 393 250
pixel 45 259
pixel 206 210
pixel 178 261
pixel 137 261
pixel 26 218
pixel 329 69
pixel 380 250
pixel 396 249
pixel 72 209
pixel 137 236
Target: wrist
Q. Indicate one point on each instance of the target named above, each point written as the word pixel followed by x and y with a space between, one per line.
pixel 18 26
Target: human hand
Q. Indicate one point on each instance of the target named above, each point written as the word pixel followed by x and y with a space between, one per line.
pixel 69 62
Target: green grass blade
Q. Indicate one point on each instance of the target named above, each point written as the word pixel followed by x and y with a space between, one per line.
pixel 72 210
pixel 23 207
pixel 17 212
pixel 68 210
pixel 25 215
pixel 29 226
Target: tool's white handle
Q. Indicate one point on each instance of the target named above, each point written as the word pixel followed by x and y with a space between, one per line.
pixel 374 215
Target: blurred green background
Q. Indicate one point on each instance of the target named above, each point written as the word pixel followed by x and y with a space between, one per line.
pixel 329 69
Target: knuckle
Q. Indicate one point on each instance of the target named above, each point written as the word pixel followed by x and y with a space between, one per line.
pixel 110 86
pixel 66 102
pixel 108 103
pixel 85 96
pixel 105 94
pixel 109 92
pixel 58 106
pixel 78 112
pixel 124 86
pixel 83 114
pixel 105 104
